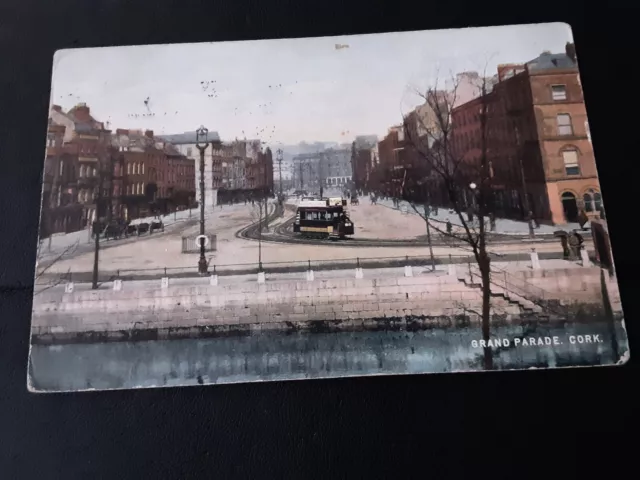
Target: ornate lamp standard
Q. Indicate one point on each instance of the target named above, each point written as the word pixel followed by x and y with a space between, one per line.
pixel 202 144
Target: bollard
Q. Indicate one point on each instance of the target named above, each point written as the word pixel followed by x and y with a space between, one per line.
pixel 261 277
pixel 164 282
pixel 68 288
pixel 213 280
pixel 408 271
pixel 117 285
pixel 584 255
pixel 310 276
pixel 535 260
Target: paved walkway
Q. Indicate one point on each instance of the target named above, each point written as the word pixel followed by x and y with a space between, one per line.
pixel 319 275
pixel 503 225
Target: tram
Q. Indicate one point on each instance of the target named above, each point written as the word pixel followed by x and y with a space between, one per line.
pixel 323 219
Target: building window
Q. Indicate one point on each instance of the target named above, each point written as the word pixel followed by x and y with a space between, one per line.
pixel 128 169
pixel 564 124
pixel 558 92
pixel 592 201
pixel 189 150
pixel 143 168
pixel 95 172
pixel 81 173
pixel 61 167
pixel 571 166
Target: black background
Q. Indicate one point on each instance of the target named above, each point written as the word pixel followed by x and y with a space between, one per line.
pixel 441 426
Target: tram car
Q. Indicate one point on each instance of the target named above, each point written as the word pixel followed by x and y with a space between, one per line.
pixel 323 219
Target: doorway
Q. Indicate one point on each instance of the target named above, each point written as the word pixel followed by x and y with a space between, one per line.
pixel 570 207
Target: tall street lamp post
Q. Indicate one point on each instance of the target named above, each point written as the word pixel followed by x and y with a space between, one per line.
pixel 202 144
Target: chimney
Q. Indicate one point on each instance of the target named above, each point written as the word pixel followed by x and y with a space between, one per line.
pixel 57 108
pixel 570 50
pixel 148 133
pixel 122 131
pixel 82 113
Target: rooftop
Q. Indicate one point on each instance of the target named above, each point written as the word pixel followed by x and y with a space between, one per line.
pixel 187 138
pixel 550 61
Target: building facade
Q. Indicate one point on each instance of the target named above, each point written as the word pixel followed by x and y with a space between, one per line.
pixel 157 178
pixel 186 145
pixel 536 141
pixel 87 164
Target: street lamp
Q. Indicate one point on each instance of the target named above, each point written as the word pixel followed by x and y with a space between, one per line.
pixel 202 144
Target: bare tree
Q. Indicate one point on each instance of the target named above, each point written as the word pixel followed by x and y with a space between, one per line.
pixel 459 167
pixel 43 267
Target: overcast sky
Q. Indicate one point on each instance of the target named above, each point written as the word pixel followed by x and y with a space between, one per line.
pixel 284 90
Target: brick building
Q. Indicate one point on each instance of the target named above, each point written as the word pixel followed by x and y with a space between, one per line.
pixel 156 176
pixel 537 141
pixel 363 159
pixel 186 145
pixel 61 211
pixel 397 162
pixel 89 162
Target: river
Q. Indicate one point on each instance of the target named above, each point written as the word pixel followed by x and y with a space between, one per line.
pixel 284 356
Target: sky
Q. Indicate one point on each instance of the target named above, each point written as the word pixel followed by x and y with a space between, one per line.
pixel 285 91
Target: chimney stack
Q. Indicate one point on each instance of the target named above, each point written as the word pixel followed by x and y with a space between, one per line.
pixel 57 108
pixel 122 131
pixel 570 50
pixel 148 133
pixel 82 112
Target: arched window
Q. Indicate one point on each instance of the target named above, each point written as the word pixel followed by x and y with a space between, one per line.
pixel 95 172
pixel 592 201
pixel 81 171
pixel 143 168
pixel 128 169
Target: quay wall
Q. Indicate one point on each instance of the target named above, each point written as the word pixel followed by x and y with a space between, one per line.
pixel 252 306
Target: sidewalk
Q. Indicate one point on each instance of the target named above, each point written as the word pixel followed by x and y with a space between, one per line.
pixel 503 225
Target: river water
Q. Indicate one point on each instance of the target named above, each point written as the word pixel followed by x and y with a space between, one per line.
pixel 282 356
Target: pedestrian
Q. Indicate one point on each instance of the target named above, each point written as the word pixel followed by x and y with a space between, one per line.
pixel 470 214
pixel 492 222
pixel 582 219
pixel 449 227
pixel 574 245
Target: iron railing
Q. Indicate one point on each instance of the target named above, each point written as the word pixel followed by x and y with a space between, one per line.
pixel 191 243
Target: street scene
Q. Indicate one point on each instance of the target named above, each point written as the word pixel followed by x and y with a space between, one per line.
pixel 326 218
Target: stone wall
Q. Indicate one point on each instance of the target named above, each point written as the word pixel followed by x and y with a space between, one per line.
pixel 568 284
pixel 268 305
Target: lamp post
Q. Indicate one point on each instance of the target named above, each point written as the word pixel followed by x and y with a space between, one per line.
pixel 202 144
pixel 525 193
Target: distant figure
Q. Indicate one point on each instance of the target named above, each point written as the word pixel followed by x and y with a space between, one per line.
pixel 492 222
pixel 470 214
pixel 449 227
pixel 582 219
pixel 575 244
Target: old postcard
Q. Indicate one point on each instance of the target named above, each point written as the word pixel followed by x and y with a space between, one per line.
pixel 395 203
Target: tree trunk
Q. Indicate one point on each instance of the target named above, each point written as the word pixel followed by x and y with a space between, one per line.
pixel 426 219
pixel 94 281
pixel 484 264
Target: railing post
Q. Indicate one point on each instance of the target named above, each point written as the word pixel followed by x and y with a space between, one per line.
pixel 359 272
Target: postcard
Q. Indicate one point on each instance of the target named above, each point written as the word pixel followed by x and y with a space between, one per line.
pixel 399 203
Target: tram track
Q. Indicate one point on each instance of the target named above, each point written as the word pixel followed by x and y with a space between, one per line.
pixel 283 233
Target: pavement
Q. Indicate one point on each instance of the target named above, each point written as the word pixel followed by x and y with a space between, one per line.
pixel 393 272
pixel 503 225
pixel 164 250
